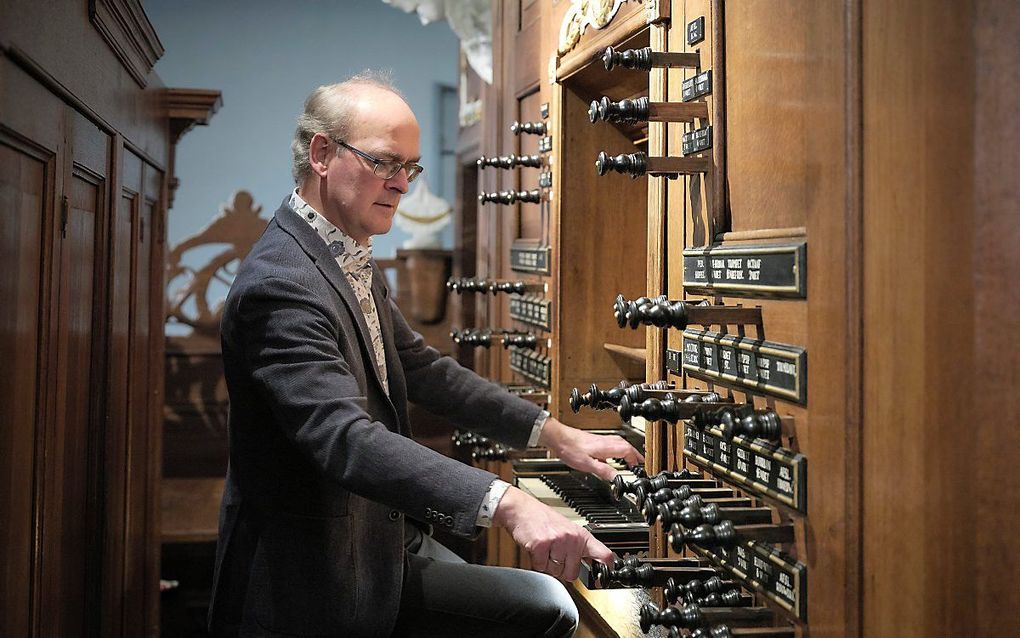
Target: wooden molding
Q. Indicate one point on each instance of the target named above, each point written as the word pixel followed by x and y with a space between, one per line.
pixel 126 28
pixel 187 107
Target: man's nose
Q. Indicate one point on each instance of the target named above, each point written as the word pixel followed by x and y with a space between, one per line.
pixel 399 181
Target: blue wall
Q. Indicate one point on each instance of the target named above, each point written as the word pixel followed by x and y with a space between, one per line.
pixel 266 56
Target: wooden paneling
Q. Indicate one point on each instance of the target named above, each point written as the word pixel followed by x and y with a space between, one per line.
pixel 919 356
pixel 772 56
pixel 25 171
pixel 995 483
pixel 69 545
pixel 602 225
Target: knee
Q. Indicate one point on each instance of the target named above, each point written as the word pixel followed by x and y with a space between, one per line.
pixel 556 608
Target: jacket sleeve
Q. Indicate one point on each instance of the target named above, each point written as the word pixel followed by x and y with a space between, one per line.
pixel 443 386
pixel 289 340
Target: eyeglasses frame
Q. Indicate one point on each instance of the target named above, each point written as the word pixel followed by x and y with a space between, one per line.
pixel 408 167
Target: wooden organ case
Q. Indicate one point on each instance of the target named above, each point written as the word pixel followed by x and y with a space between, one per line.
pixel 791 200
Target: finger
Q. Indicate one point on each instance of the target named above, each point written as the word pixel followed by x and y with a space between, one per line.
pixel 572 565
pixel 603 470
pixel 628 452
pixel 557 566
pixel 539 558
pixel 595 549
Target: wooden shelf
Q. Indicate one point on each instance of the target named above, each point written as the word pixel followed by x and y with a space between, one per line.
pixel 611 613
pixel 633 354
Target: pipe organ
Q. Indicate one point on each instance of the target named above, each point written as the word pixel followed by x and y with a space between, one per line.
pixel 682 307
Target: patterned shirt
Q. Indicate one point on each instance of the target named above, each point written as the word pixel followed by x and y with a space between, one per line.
pixel 355 261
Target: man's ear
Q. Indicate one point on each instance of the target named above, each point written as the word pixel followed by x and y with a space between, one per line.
pixel 318 154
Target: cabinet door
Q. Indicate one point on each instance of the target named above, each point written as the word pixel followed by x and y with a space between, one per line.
pixel 71 521
pixel 29 155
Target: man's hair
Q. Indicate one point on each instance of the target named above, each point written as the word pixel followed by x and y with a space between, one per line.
pixel 330 109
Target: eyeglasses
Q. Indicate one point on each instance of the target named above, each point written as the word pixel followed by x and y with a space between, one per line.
pixel 385 169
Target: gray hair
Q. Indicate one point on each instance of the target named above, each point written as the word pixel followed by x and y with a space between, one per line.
pixel 330 109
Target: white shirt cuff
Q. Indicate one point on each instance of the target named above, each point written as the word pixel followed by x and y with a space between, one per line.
pixel 536 430
pixel 489 503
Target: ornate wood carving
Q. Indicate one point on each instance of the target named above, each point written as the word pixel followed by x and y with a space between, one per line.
pixel 126 28
pixel 583 14
pixel 237 226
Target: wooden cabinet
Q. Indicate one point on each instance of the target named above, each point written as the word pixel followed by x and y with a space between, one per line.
pixel 84 146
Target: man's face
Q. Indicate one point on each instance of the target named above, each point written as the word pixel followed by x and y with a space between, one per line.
pixel 362 202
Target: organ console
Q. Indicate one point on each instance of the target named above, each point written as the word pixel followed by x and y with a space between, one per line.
pixel 605 399
pixel 484 338
pixel 584 499
pixel 690 516
pixel 507 198
pixel 741 420
pixel 464 285
pixel 530 128
pixel 632 571
pixel 727 534
pixel 724 631
pixel 638 164
pixel 663 313
pixel 745 84
pixel 645 59
pixel 645 485
pixel 692 616
pixel 669 408
pixel 511 161
pixel 643 110
pixel 713 591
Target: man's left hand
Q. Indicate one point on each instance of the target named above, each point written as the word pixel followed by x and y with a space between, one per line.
pixel 585 451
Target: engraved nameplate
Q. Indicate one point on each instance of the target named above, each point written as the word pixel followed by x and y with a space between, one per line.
pixel 767 570
pixel 697 86
pixel 768 269
pixel 530 258
pixel 531 365
pixel 545 144
pixel 697 141
pixel 766 366
pixel 755 464
pixel 530 309
pixel 696 30
pixel 545 179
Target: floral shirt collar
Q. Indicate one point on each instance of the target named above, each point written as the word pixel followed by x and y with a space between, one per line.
pixel 349 254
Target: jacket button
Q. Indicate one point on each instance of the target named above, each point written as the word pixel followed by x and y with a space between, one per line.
pixel 394 515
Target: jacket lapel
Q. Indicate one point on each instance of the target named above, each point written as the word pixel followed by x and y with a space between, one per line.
pixel 381 292
pixel 313 245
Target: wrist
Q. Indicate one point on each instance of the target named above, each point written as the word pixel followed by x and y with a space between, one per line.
pixel 552 434
pixel 508 507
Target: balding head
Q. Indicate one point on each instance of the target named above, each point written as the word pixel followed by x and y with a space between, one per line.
pixel 337 109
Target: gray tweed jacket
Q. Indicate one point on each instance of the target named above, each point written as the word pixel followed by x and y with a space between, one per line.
pixel 322 467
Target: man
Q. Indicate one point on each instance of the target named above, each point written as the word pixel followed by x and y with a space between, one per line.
pixel 327 495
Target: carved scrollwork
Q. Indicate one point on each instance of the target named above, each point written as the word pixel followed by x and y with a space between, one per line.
pixel 236 228
pixel 583 14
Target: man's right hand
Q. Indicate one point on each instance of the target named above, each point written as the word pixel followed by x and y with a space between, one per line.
pixel 555 545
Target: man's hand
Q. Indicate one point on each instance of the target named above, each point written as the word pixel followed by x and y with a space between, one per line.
pixel 555 545
pixel 585 451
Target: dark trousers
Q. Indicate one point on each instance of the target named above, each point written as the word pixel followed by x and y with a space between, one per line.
pixel 445 597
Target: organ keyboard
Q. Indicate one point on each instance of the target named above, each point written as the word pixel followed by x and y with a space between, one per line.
pixel 586 500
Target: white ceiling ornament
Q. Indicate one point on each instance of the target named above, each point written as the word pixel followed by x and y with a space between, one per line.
pixel 423 215
pixel 471 20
